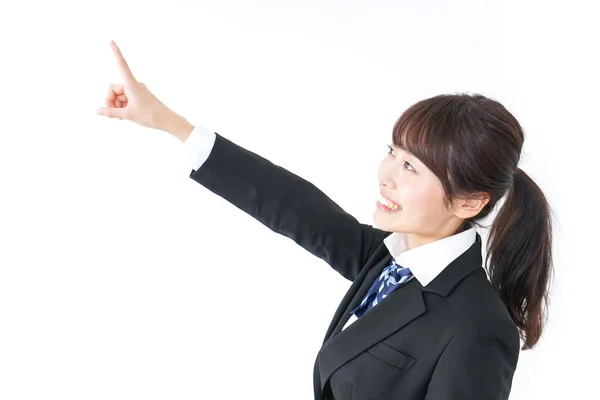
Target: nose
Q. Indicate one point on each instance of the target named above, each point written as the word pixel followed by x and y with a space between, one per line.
pixel 388 182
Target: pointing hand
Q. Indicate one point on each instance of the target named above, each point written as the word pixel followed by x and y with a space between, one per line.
pixel 131 100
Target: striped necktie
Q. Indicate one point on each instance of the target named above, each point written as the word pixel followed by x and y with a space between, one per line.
pixel 392 276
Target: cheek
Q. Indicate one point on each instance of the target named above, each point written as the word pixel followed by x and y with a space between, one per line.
pixel 415 198
pixel 422 202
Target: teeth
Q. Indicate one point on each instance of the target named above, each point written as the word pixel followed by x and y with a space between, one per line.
pixel 389 204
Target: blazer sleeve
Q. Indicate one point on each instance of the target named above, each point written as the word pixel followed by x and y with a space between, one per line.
pixel 289 205
pixel 477 364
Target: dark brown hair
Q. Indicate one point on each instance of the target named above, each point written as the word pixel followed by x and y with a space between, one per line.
pixel 473 145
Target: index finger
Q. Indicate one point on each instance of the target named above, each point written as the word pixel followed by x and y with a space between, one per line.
pixel 121 63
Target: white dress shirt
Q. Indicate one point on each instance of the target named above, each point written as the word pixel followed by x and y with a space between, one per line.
pixel 429 260
pixel 425 262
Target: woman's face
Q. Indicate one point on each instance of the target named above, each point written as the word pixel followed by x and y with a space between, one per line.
pixel 420 196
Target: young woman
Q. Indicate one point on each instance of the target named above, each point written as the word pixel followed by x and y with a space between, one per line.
pixel 422 319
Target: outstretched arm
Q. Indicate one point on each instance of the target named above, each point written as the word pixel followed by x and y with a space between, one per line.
pixel 289 205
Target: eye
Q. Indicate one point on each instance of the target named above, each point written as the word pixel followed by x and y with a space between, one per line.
pixel 390 149
pixel 413 169
pixel 405 162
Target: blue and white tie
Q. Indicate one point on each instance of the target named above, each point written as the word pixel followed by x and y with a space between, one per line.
pixel 391 278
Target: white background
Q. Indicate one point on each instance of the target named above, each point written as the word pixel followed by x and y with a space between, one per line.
pixel 122 278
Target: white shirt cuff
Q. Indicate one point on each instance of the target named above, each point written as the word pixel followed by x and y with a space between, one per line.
pixel 198 146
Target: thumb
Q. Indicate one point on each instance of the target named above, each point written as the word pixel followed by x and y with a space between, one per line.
pixel 112 112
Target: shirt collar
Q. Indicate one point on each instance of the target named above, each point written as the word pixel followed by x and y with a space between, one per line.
pixel 427 261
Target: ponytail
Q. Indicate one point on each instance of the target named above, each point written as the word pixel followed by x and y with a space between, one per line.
pixel 520 254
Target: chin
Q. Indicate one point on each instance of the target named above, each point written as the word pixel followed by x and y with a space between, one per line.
pixel 385 221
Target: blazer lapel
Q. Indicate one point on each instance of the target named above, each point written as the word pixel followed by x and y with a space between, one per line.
pixel 397 310
pixel 352 298
pixel 357 291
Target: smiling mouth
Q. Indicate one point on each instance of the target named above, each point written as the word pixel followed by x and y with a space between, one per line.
pixel 387 209
pixel 388 203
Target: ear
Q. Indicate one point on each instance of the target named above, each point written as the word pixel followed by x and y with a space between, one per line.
pixel 471 206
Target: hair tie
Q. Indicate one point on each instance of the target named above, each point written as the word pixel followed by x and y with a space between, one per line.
pixel 516 173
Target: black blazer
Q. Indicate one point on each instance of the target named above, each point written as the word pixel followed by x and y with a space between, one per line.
pixel 452 339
